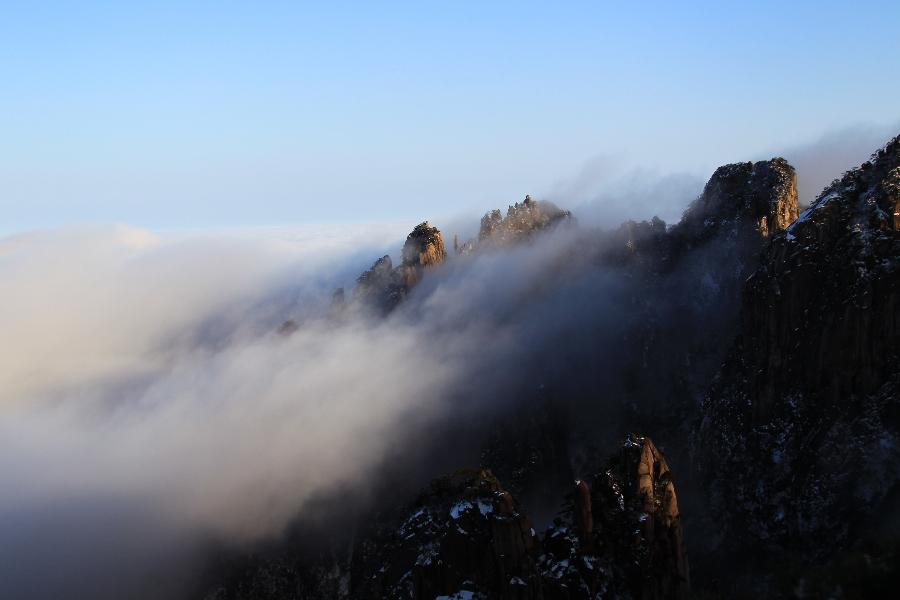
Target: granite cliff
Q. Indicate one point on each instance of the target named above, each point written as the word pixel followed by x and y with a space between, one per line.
pixel 806 406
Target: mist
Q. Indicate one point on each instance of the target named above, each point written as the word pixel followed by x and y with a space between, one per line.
pixel 150 407
pixel 145 391
pixel 826 158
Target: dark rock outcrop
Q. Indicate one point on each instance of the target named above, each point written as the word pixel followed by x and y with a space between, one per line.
pixel 464 533
pixel 466 536
pixel 800 436
pixel 621 535
pixel 741 206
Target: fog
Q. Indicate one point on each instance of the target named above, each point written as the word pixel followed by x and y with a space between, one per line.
pixel 145 391
pixel 826 158
pixel 150 407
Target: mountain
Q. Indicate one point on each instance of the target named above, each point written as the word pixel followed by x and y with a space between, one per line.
pixel 799 443
pixel 757 345
pixel 384 286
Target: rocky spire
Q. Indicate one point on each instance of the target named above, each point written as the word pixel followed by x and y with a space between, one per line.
pixel 744 198
pixel 521 221
pixel 424 247
pixel 384 286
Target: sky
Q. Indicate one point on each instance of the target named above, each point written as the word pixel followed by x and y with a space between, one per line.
pixel 224 114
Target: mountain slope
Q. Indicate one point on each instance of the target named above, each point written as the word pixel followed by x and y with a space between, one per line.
pixel 800 439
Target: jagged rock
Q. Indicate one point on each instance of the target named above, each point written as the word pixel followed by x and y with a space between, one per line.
pixel 741 206
pixel 377 276
pixel 466 536
pixel 468 533
pixel 383 287
pixel 584 518
pixel 522 220
pixel 490 224
pixel 800 438
pixel 424 247
pixel 644 470
pixel 759 196
pixel 635 536
pixel 380 288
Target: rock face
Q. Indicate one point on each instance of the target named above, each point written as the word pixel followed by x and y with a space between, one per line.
pixel 645 470
pixel 521 221
pixel 382 287
pixel 424 248
pixel 759 196
pixel 742 205
pixel 800 436
pixel 622 536
pixel 464 533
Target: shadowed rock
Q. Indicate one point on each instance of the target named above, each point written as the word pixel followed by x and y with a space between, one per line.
pixel 466 536
pixel 800 438
pixel 759 196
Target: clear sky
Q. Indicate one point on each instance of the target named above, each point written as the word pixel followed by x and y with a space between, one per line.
pixel 249 113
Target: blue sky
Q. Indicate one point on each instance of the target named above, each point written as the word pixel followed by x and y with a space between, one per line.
pixel 229 114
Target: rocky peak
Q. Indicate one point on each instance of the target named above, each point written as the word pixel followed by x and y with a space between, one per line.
pixel 741 206
pixel 628 512
pixel 774 195
pixel 424 247
pixel 490 223
pixel 384 286
pixel 521 221
pixel 760 197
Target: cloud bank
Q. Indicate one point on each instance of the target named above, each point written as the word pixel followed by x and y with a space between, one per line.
pixel 145 374
pixel 149 406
